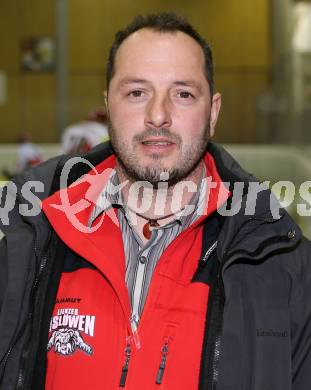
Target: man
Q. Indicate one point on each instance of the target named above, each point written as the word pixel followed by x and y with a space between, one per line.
pixel 81 137
pixel 130 277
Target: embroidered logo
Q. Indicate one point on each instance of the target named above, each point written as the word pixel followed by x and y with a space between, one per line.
pixel 66 341
pixel 66 328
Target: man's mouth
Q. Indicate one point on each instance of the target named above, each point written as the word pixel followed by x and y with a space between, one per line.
pixel 157 142
pixel 160 143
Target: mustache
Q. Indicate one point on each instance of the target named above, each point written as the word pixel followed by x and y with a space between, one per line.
pixel 162 132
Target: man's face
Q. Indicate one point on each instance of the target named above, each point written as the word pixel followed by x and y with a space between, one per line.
pixel 160 106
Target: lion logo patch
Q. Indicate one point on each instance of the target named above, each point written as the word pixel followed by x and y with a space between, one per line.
pixel 66 341
pixel 66 332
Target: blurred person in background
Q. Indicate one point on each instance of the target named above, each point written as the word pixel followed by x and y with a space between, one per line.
pixel 83 136
pixel 27 155
pixel 98 292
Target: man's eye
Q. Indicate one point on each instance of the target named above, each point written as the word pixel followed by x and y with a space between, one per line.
pixel 185 95
pixel 136 93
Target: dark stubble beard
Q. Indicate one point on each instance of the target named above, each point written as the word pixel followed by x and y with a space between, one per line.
pixel 189 159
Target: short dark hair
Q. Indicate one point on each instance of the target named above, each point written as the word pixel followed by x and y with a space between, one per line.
pixel 163 22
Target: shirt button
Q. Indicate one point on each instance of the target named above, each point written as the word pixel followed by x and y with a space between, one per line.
pixel 143 259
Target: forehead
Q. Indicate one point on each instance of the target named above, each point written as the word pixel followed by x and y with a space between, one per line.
pixel 148 53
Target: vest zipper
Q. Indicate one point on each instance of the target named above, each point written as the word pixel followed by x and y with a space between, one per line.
pixel 134 325
pixel 169 335
pixel 162 366
pixel 125 368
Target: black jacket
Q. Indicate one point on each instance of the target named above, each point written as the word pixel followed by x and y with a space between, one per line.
pixel 258 326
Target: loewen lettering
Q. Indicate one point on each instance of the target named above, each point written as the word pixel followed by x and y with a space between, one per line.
pixel 71 319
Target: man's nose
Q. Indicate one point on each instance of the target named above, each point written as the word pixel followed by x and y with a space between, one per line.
pixel 158 112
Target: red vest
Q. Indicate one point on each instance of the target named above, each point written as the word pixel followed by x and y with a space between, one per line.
pixel 91 343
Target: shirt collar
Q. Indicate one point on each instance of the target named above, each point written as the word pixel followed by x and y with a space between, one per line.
pixel 109 197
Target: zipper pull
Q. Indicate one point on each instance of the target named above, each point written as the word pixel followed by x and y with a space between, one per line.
pixel 136 338
pixel 162 366
pixel 125 368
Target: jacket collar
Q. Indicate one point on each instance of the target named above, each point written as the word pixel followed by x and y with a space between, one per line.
pixel 269 230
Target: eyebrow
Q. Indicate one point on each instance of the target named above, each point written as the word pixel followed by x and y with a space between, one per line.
pixel 188 83
pixel 183 83
pixel 133 81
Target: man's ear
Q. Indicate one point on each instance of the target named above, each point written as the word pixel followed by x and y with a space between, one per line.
pixel 215 109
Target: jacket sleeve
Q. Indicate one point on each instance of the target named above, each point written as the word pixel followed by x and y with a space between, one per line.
pixel 300 306
pixel 3 269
